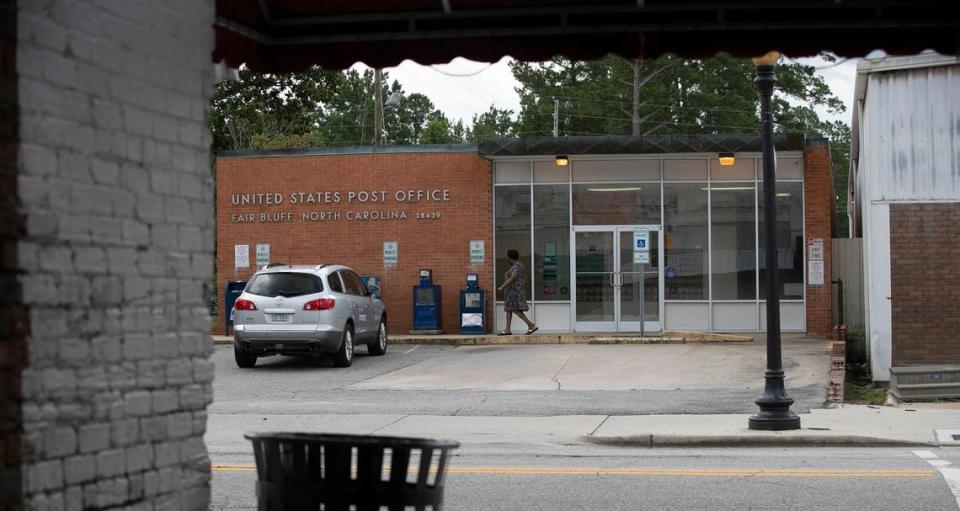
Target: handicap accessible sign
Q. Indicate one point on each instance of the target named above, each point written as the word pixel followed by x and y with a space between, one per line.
pixel 641 246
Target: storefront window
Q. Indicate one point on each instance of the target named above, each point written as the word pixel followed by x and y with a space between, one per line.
pixel 512 217
pixel 733 238
pixel 616 204
pixel 789 197
pixel 551 242
pixel 685 241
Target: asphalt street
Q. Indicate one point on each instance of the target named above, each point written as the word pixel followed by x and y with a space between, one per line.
pixel 538 477
pixel 463 393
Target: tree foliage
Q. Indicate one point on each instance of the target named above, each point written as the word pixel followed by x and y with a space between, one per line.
pixel 676 96
pixel 322 108
pixel 269 105
pixel 493 123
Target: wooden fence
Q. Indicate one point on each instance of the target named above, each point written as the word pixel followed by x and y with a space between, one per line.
pixel 848 267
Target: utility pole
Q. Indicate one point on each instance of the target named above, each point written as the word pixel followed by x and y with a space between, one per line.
pixel 378 108
pixel 636 97
pixel 556 117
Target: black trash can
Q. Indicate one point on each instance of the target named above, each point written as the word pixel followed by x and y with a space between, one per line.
pixel 300 471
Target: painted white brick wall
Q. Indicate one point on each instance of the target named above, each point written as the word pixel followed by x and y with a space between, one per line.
pixel 117 194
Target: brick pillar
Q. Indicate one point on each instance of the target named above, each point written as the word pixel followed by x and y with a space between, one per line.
pixel 818 197
pixel 116 194
pixel 12 319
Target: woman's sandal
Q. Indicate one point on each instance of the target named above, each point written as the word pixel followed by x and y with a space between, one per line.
pixel 504 333
pixel 532 330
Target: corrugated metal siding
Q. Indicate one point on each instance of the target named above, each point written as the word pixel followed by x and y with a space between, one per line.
pixel 847 265
pixel 911 134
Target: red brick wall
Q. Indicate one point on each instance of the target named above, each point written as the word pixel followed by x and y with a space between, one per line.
pixel 925 283
pixel 441 244
pixel 13 324
pixel 818 197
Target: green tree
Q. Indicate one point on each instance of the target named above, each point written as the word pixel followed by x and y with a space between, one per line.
pixel 676 96
pixel 347 117
pixel 493 123
pixel 272 105
pixel 407 117
pixel 438 130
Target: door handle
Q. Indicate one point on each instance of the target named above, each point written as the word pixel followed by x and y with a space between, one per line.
pixel 612 281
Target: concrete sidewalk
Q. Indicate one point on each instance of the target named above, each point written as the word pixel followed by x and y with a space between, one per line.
pixel 844 425
pixel 848 425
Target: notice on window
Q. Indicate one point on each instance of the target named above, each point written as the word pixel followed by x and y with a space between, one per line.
pixel 390 253
pixel 263 254
pixel 815 273
pixel 241 256
pixel 478 252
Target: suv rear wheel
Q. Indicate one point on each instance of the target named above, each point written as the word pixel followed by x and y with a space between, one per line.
pixel 344 356
pixel 244 359
pixel 379 345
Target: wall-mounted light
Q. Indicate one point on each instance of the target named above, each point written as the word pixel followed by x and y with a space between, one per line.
pixel 562 160
pixel 726 159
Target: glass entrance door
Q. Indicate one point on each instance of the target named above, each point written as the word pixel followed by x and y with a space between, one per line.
pixel 612 292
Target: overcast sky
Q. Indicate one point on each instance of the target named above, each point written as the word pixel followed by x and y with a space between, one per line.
pixel 463 88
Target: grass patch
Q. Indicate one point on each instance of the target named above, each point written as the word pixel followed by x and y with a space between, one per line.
pixel 859 389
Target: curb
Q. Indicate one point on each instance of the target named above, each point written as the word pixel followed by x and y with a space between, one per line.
pixel 651 441
pixel 493 340
pixel 488 340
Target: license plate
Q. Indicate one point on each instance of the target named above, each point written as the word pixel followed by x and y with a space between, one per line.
pixel 280 317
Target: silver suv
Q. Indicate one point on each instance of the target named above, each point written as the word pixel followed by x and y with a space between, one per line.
pixel 307 310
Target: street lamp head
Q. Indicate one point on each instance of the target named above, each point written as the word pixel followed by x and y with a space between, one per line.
pixel 769 59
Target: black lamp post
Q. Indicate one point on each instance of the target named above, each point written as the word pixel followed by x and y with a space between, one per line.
pixel 774 414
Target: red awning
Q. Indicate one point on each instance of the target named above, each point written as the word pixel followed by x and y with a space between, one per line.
pixel 289 35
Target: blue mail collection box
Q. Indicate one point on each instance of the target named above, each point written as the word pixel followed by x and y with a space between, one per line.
pixel 426 303
pixel 233 290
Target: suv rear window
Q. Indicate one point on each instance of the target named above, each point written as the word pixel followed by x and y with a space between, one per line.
pixel 284 284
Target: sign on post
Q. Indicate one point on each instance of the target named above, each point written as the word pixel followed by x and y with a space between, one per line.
pixel 390 253
pixel 641 246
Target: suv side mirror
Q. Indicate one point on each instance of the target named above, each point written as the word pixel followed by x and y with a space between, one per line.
pixel 372 290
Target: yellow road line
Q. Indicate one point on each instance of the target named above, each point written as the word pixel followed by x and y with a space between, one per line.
pixel 649 472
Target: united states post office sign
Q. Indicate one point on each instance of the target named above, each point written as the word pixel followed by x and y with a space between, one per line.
pixel 337 205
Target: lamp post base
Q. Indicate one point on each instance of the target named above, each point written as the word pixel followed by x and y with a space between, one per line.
pixel 774 414
pixel 763 421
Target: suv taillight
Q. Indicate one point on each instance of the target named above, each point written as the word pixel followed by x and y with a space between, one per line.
pixel 320 304
pixel 244 305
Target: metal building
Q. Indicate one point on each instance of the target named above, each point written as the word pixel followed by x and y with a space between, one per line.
pixel 905 203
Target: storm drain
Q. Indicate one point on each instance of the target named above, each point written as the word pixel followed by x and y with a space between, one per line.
pixel 948 436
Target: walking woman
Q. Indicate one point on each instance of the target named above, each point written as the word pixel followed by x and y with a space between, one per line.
pixel 514 291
